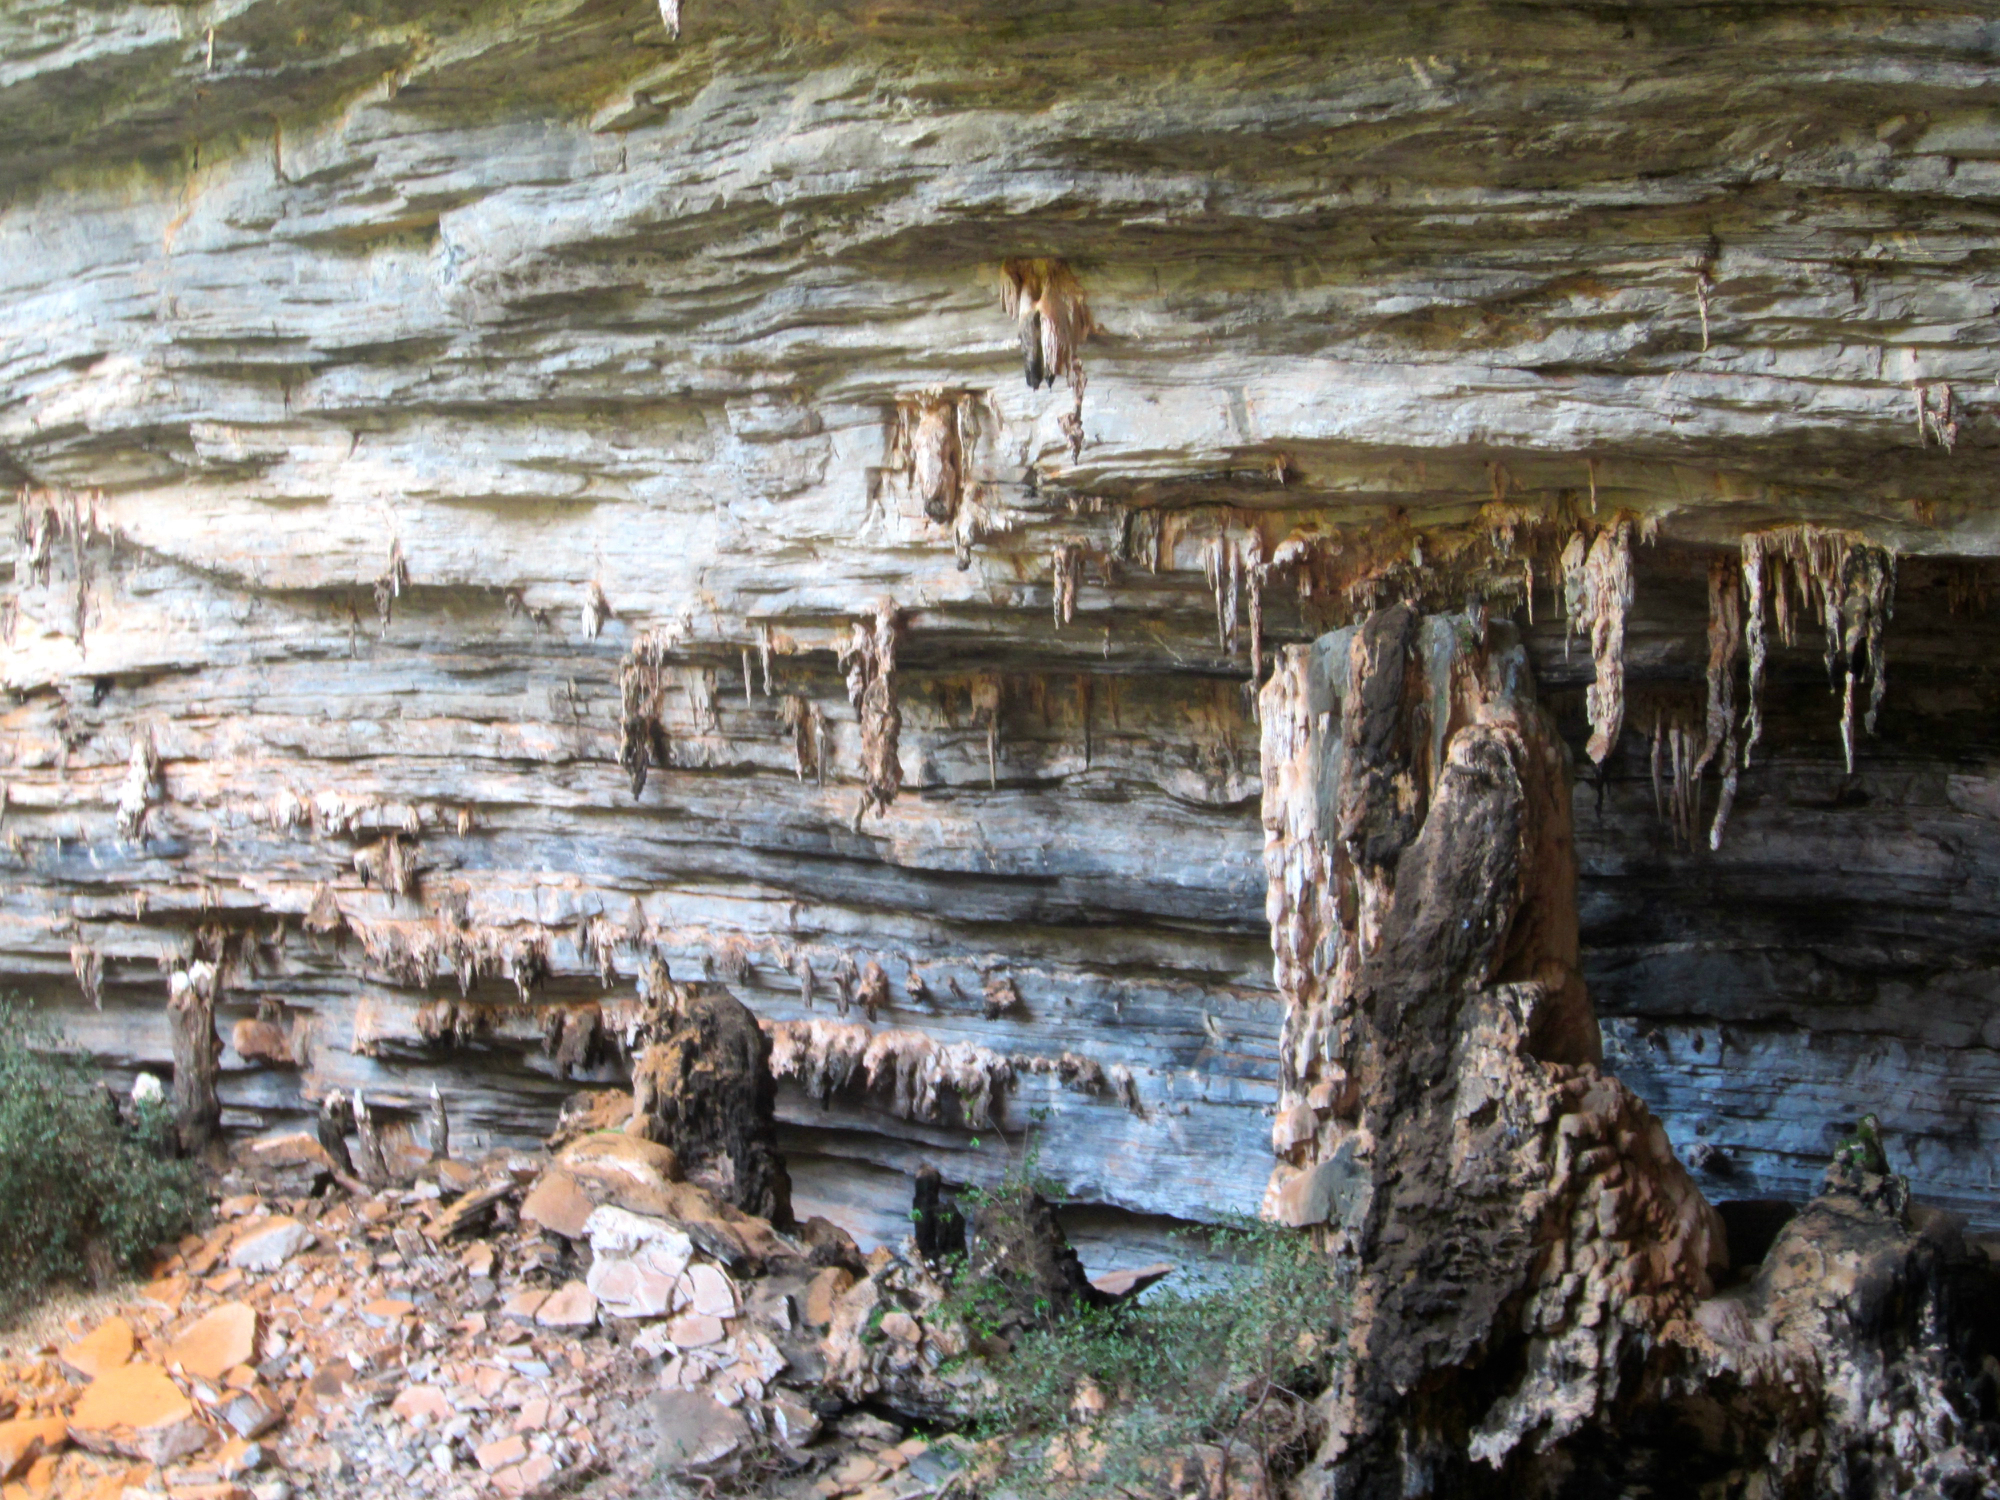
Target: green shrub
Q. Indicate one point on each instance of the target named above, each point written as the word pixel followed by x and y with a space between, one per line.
pixel 78 1191
pixel 1233 1361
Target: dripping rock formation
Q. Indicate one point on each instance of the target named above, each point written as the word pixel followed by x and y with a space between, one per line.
pixel 908 518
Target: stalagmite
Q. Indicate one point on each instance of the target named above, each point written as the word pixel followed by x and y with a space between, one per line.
pixel 336 1118
pixel 191 996
pixel 706 1090
pixel 440 1142
pixel 374 1159
pixel 1499 1205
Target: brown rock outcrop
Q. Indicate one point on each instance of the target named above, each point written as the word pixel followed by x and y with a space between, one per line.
pixel 706 1091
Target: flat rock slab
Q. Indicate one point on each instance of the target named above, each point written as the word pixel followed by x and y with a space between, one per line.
pixel 1130 1283
pixel 137 1411
pixel 104 1348
pixel 26 1439
pixel 217 1343
pixel 268 1243
pixel 570 1305
pixel 697 1437
pixel 558 1204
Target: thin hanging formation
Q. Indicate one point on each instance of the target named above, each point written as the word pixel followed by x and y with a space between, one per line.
pixel 1851 581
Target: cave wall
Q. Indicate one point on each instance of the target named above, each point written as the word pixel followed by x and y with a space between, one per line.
pixel 558 308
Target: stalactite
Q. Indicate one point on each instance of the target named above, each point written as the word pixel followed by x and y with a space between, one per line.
pixel 913 1076
pixel 806 981
pixel 873 989
pixel 596 610
pixel 1001 996
pixel 1757 641
pixel 1139 539
pixel 931 443
pixel 986 710
pixel 1256 572
pixel 821 1057
pixel 1725 639
pixel 88 966
pixel 869 660
pixel 1065 572
pixel 1937 416
pixel 1047 303
pixel 390 863
pixel 806 725
pixel 1597 592
pixel 142 786
pixel 642 734
pixel 389 586
pixel 324 915
pixel 574 1039
pixel 1124 1086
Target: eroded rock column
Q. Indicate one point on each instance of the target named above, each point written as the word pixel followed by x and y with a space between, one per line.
pixel 705 1089
pixel 1513 1223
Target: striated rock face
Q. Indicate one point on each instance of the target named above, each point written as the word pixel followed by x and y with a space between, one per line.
pixel 510 497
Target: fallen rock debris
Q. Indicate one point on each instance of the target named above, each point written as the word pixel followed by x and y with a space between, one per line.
pixel 584 1321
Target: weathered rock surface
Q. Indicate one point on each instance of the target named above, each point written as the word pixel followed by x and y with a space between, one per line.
pixel 414 368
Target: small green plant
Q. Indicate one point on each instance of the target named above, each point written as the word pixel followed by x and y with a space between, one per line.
pixel 1103 1401
pixel 79 1191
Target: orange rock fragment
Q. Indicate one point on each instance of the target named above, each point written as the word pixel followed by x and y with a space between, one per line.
pixel 26 1439
pixel 213 1345
pixel 137 1411
pixel 107 1347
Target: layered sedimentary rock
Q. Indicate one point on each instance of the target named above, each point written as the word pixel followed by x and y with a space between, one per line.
pixel 457 447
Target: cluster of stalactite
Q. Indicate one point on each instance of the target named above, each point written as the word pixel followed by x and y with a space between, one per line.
pixel 1047 304
pixel 1851 582
pixel 918 1078
pixel 48 522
